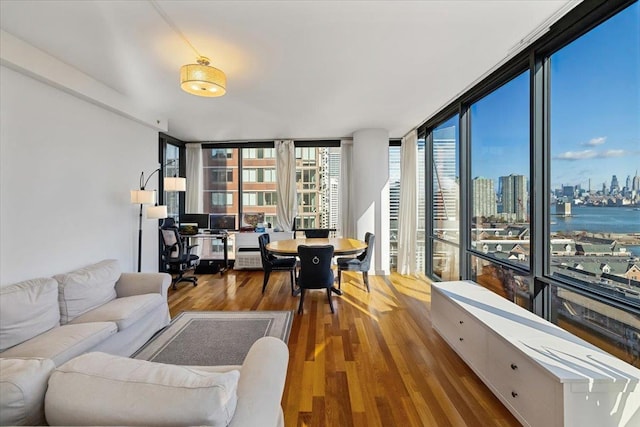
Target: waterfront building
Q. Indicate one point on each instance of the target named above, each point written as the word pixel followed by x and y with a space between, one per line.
pixel 484 198
pixel 514 196
pixel 615 187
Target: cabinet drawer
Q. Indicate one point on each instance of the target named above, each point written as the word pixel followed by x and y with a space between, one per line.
pixel 532 393
pixel 465 335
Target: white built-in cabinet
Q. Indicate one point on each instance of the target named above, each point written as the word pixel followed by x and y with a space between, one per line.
pixel 543 374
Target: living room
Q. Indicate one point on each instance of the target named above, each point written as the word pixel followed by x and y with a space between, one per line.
pixel 80 121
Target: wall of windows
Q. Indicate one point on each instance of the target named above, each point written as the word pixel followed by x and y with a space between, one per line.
pixel 243 180
pixel 543 156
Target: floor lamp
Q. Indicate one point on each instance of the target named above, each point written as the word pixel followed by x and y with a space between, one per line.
pixel 148 197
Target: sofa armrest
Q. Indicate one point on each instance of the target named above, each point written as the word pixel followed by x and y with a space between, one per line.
pixel 261 384
pixel 23 383
pixel 142 283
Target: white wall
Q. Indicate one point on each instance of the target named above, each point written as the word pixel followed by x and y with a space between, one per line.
pixel 66 168
pixel 370 175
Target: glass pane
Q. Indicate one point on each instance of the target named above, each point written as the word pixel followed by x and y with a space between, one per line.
pixel 422 222
pixel 502 280
pixel 172 168
pixel 394 204
pixel 445 260
pixel 220 179
pixel 446 192
pixel 318 181
pixel 256 164
pixel 500 171
pixel 614 330
pixel 595 153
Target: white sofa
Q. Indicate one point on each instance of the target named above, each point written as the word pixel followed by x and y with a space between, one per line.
pixel 100 389
pixel 46 322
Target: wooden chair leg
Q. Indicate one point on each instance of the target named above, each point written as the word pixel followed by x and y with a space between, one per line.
pixel 293 281
pixel 330 301
pixel 339 278
pixel 266 280
pixel 301 301
pixel 365 276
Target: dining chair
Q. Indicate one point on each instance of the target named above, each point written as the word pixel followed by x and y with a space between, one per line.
pixel 316 233
pixel 360 263
pixel 315 271
pixel 272 263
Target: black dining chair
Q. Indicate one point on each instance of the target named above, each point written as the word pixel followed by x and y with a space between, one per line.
pixel 316 233
pixel 360 263
pixel 315 271
pixel 272 263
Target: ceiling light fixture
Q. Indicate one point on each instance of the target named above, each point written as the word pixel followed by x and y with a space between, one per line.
pixel 199 79
pixel 203 80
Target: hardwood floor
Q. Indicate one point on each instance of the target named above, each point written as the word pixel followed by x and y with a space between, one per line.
pixel 375 362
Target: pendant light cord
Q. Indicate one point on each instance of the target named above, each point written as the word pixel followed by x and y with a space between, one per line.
pixel 173 26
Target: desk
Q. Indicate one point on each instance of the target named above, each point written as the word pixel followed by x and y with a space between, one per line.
pixel 340 245
pixel 224 238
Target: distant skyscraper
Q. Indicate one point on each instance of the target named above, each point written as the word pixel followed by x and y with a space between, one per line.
pixel 484 198
pixel 615 187
pixel 514 195
pixel 636 182
pixel 628 183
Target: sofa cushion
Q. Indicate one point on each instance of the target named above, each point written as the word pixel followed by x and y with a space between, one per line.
pixel 64 342
pixel 23 382
pixel 86 288
pixel 123 311
pixel 102 389
pixel 27 309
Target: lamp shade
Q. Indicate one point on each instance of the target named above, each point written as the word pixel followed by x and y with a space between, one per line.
pixel 175 183
pixel 157 212
pixel 143 197
pixel 203 80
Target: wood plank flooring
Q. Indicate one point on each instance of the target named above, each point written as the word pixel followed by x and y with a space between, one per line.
pixel 375 362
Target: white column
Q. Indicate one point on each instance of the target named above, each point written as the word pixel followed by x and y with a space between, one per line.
pixel 370 176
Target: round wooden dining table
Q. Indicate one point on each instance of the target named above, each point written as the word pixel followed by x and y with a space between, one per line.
pixel 341 246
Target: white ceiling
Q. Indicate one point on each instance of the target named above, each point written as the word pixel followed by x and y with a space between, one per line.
pixel 313 69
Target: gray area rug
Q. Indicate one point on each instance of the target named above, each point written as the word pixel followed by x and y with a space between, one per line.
pixel 212 338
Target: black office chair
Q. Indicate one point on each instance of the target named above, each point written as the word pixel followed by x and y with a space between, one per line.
pixel 315 271
pixel 316 233
pixel 272 263
pixel 177 256
pixel 360 263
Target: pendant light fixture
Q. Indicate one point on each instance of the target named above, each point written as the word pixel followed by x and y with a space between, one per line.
pixel 202 79
pixel 199 79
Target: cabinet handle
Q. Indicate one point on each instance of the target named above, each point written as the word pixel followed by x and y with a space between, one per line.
pixel 514 366
pixel 514 394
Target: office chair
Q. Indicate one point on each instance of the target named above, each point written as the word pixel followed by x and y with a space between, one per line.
pixel 316 233
pixel 315 271
pixel 360 263
pixel 272 263
pixel 177 256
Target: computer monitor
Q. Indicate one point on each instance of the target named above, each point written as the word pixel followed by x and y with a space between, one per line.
pixel 222 222
pixel 196 218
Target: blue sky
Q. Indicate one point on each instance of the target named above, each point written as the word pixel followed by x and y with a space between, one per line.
pixel 595 111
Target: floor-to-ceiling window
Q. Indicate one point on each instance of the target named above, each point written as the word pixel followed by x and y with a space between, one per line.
pixel 444 224
pixel 499 193
pixel 394 204
pixel 594 207
pixel 171 163
pixel 549 148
